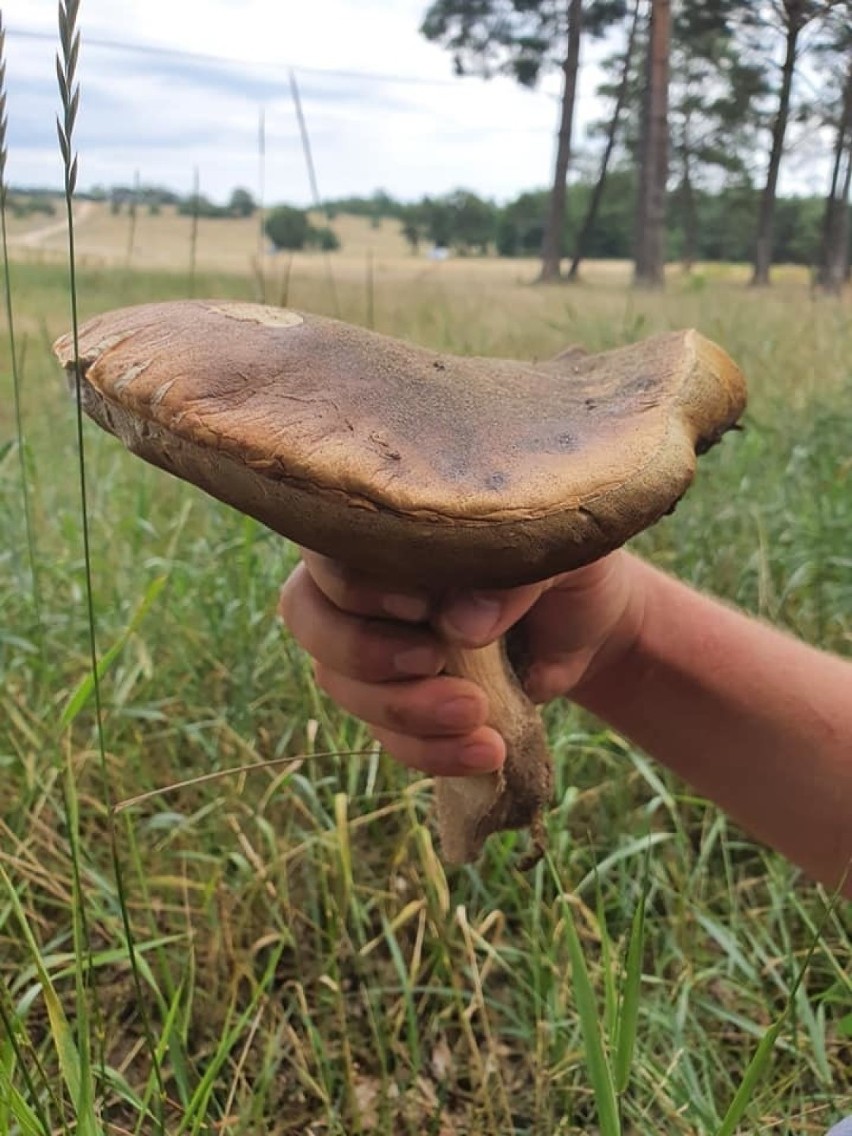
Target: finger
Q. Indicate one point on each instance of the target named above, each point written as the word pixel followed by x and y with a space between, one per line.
pixel 352 591
pixel 473 619
pixel 482 751
pixel 372 650
pixel 431 707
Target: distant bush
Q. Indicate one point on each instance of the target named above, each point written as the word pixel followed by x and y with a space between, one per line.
pixel 289 228
pixel 324 239
pixel 29 206
pixel 242 204
pixel 197 205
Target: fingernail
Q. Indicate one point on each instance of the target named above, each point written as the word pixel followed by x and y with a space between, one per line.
pixel 473 617
pixel 413 609
pixel 418 661
pixel 479 758
pixel 457 713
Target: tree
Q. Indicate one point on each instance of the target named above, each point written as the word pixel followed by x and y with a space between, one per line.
pixel 520 227
pixel 412 231
pixel 713 91
pixel 287 227
pixel 653 156
pixel 241 204
pixel 621 95
pixel 834 243
pixel 323 238
pixel 524 38
pixel 792 16
pixel 438 221
pixel 474 222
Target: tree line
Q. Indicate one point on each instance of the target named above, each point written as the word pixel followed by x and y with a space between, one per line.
pixel 708 225
pixel 718 225
pixel 706 100
pixel 705 96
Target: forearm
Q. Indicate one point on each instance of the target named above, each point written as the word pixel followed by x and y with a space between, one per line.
pixel 750 717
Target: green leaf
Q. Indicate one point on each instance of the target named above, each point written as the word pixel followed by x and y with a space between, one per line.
pixel 629 1011
pixel 60 1030
pixel 759 1062
pixel 85 688
pixel 600 1073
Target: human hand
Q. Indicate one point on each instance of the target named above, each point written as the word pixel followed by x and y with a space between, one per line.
pixel 380 654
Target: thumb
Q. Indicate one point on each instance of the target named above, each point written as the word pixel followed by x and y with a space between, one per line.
pixel 473 619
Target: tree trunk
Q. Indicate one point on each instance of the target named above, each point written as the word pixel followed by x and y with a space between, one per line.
pixel 612 131
pixel 551 252
pixel 763 246
pixel 831 271
pixel 842 265
pixel 653 171
pixel 690 218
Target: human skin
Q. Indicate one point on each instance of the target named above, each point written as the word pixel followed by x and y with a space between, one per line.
pixel 750 717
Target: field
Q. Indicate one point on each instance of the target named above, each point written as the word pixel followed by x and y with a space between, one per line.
pixel 302 962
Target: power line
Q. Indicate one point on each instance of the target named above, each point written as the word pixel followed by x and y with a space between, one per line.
pixel 153 50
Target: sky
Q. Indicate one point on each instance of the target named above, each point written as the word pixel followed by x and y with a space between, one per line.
pixel 171 85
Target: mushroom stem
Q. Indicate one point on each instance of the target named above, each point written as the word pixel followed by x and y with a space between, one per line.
pixel 469 809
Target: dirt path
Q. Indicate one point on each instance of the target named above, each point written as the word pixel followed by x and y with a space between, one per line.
pixel 36 237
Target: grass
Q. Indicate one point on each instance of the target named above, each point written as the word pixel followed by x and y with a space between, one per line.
pixel 157 239
pixel 305 962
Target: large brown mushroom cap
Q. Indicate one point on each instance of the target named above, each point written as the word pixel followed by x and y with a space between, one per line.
pixel 423 467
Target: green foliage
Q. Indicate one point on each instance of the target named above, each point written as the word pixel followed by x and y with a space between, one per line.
pixel 520 38
pixel 198 205
pixel 30 206
pixel 290 228
pixel 520 227
pixel 287 227
pixel 323 238
pixel 305 959
pixel 242 203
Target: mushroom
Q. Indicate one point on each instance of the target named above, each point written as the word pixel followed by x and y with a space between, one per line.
pixel 417 467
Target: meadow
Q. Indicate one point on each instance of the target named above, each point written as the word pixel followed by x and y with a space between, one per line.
pixel 302 961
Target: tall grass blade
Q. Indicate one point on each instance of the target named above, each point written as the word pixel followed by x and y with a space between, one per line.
pixel 261 203
pixel 628 1016
pixel 70 97
pixel 763 1054
pixel 13 350
pixel 371 292
pixel 312 178
pixel 84 1105
pixel 194 1118
pixel 14 1107
pixel 193 230
pixel 85 689
pixel 600 1073
pixel 23 1112
pixel 60 1029
pixel 132 217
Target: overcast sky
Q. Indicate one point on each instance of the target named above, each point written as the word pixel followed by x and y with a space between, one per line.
pixel 168 85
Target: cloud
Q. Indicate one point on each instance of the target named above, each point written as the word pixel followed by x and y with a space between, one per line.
pixel 165 112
